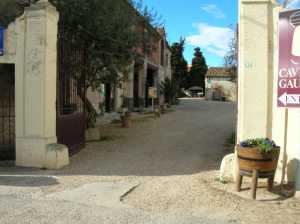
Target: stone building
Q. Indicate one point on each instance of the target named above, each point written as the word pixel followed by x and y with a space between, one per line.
pixel 150 68
pixel 220 84
pixel 215 74
pixel 43 115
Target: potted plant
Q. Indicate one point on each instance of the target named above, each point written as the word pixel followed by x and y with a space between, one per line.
pixel 157 112
pixel 163 108
pixel 125 116
pixel 257 158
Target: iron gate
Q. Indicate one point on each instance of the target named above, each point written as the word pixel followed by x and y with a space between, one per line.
pixel 7 112
pixel 71 94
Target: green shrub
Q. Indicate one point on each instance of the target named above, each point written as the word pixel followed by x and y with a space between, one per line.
pixel 169 89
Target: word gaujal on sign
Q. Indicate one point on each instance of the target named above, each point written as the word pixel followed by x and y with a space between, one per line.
pixel 289 59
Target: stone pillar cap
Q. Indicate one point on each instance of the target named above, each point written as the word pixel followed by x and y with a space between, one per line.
pixel 41 4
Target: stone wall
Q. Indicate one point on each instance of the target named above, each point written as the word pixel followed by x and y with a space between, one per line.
pixel 31 44
pixel 225 89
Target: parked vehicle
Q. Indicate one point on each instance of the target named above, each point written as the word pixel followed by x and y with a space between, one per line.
pixel 196 91
pixel 200 94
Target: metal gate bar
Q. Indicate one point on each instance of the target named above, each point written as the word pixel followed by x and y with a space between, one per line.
pixel 71 94
pixel 7 112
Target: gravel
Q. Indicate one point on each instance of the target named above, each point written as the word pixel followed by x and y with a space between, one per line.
pixel 175 159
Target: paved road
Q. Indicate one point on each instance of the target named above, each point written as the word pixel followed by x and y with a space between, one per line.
pixel 151 173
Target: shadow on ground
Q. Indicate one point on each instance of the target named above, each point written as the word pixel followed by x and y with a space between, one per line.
pixel 27 181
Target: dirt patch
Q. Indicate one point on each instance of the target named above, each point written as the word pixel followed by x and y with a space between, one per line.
pixel 197 193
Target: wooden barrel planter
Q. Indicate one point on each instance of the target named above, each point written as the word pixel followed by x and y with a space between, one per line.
pixel 252 162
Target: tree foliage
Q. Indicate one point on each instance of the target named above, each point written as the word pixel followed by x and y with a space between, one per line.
pixel 178 62
pixel 9 10
pixel 169 89
pixel 198 70
pixel 106 28
pixel 231 58
pixel 149 14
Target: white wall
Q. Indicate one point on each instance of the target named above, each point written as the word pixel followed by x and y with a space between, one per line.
pixel 255 69
pixel 258 114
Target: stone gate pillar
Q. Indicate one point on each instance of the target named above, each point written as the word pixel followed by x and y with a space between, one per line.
pixel 256 58
pixel 36 62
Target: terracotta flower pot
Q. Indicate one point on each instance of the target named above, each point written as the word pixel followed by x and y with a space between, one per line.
pixel 157 112
pixel 163 108
pixel 251 159
pixel 126 120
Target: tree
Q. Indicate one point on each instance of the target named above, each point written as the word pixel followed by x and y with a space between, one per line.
pixel 149 14
pixel 169 89
pixel 198 70
pixel 231 58
pixel 9 10
pixel 178 62
pixel 107 29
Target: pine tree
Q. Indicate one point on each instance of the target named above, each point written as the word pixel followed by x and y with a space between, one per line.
pixel 179 64
pixel 198 70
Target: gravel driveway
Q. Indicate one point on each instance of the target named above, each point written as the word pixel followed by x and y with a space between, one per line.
pixel 158 171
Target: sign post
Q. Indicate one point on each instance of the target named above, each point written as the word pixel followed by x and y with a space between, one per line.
pixel 1 41
pixel 153 95
pixel 289 60
pixel 289 75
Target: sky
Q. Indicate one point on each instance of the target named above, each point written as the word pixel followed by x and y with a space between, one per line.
pixel 208 24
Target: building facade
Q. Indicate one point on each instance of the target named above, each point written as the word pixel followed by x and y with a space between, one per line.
pixel 220 84
pixel 43 106
pixel 149 70
pixel 151 67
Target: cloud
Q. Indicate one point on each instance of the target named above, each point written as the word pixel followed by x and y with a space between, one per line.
pixel 213 39
pixel 293 3
pixel 214 10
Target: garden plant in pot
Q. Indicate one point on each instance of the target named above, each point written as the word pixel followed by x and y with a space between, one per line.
pixel 125 116
pixel 257 158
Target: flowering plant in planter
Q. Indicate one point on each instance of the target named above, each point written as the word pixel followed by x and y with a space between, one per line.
pixel 257 158
pixel 125 116
pixel 264 145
